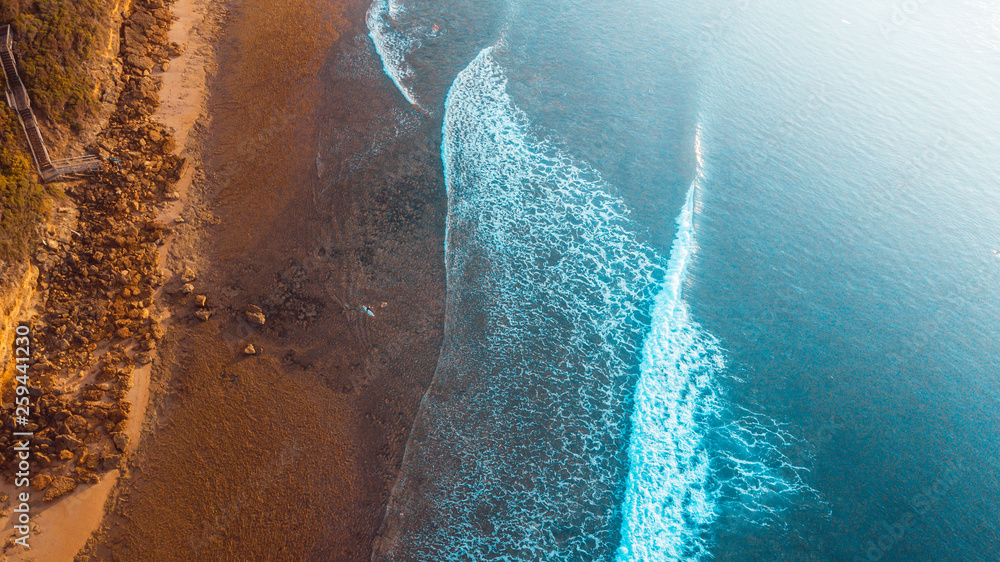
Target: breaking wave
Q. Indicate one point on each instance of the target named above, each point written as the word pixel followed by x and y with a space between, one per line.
pixel 575 412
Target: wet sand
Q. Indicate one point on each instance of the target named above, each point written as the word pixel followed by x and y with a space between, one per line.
pixel 289 454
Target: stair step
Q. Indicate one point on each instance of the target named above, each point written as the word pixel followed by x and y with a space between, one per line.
pixel 36 143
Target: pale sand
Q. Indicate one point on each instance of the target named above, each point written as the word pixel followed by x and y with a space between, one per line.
pixel 64 527
pixel 61 529
pixel 184 97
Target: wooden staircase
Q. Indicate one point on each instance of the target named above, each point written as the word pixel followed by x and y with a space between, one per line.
pixel 17 98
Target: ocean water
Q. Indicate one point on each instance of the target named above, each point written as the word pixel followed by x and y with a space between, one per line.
pixel 722 280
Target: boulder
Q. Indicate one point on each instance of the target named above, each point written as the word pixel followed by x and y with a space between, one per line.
pixel 40 482
pixel 134 40
pixel 121 441
pixel 84 475
pixel 42 460
pixel 76 423
pixel 139 62
pixel 142 20
pixel 119 412
pixel 68 442
pixel 58 487
pixel 255 315
pixel 157 331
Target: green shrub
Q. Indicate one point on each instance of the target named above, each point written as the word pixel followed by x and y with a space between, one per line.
pixel 23 202
pixel 55 39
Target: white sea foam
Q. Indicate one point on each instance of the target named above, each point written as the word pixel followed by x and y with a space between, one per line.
pixel 521 446
pixel 668 504
pixel 680 437
pixel 524 428
pixel 393 44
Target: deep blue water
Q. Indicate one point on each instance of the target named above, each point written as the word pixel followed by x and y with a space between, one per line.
pixel 722 280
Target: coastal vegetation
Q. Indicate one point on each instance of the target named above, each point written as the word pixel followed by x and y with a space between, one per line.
pixel 54 41
pixel 23 201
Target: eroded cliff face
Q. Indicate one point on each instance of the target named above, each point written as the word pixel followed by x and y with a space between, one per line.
pixel 15 301
pixel 105 68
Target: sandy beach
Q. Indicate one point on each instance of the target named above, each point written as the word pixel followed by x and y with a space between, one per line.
pixel 287 453
pixel 300 311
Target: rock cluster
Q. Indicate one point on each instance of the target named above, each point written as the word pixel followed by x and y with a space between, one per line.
pixel 289 300
pixel 70 443
pixel 144 37
pixel 202 312
pixel 98 312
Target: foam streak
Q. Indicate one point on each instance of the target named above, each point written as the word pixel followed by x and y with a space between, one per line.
pixel 393 45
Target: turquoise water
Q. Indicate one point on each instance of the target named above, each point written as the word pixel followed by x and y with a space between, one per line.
pixel 722 281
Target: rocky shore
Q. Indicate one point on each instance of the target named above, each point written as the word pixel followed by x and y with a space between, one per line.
pixel 97 312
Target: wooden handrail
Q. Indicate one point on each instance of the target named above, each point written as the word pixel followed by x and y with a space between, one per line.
pixel 17 92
